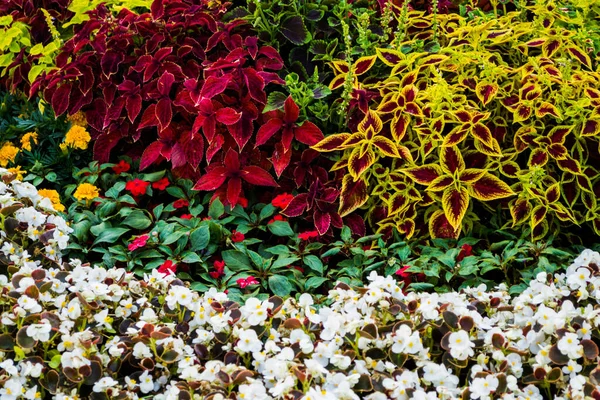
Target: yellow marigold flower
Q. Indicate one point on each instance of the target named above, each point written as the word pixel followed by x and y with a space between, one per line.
pixel 18 172
pixel 86 191
pixel 77 137
pixel 63 147
pixel 78 119
pixel 27 139
pixel 8 152
pixel 54 198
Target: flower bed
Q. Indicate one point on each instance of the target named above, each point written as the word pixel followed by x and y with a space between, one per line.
pixel 79 330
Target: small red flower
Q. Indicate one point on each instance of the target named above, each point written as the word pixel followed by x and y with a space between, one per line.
pixel 219 269
pixel 243 202
pixel 180 203
pixel 161 184
pixel 137 187
pixel 138 242
pixel 186 216
pixel 297 268
pixel 168 268
pixel 237 236
pixel 277 218
pixel 246 282
pixel 122 166
pixel 309 234
pixel 406 276
pixel 282 200
pixel 465 251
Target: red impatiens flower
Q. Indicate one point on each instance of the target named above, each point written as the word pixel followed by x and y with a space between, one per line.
pixel 278 217
pixel 161 184
pixel 137 187
pixel 243 202
pixel 138 242
pixel 186 216
pixel 219 269
pixel 246 282
pixel 168 268
pixel 122 166
pixel 307 235
pixel 237 236
pixel 465 251
pixel 282 200
pixel 180 203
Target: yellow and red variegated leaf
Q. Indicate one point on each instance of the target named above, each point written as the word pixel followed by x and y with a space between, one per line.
pixel 424 174
pixel 387 106
pixel 455 203
pixel 386 146
pixel 406 227
pixel 520 210
pixel 353 195
pixel 584 183
pixel 440 183
pixel 371 120
pixel 550 47
pixel 563 213
pixel 482 133
pixel 398 126
pixel 471 175
pixel 332 142
pixel 397 203
pixel 524 137
pixel 340 164
pixel 456 135
pixel 405 153
pixel 390 57
pixel 538 214
pixel 522 113
pixel 440 228
pixel 559 133
pixel 540 231
pixel 363 64
pixel 554 73
pixel 596 224
pixel 340 67
pixel 569 165
pixel 509 169
pixel 433 59
pixel 553 193
pixel 451 160
pixel 463 116
pixel 536 42
pixel 490 187
pixel 590 127
pixel 546 108
pixel 557 151
pixel 486 91
pixel 538 157
pixel 580 55
pixel 337 82
pixel 354 140
pixel 358 164
pixel 409 79
pixel 492 151
pixel 409 93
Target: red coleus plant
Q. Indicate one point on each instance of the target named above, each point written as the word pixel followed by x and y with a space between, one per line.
pixel 176 85
pixel 286 122
pixel 231 173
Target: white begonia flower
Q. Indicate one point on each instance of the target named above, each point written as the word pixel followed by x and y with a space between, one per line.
pixel 256 311
pixel 103 384
pixel 579 279
pixel 481 388
pixel 103 320
pixel 248 342
pixel 140 350
pixel 74 359
pixel 569 345
pixel 460 345
pixel 253 391
pixel 146 382
pixel 29 304
pixel 40 332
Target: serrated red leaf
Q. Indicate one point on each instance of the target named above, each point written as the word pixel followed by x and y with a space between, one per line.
pixel 291 111
pixel 103 145
pixel 133 104
pixel 150 155
pixel 214 85
pixel 257 176
pixel 267 130
pixel 60 99
pixel 308 133
pixel 149 117
pixel 322 221
pixel 234 188
pixel 164 113
pixel 255 85
pixel 297 206
pixel 165 83
pixel 228 115
pixel 212 179
pixel 281 159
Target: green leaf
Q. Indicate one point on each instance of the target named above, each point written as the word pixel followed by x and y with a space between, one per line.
pixel 176 192
pixel 6 20
pixel 346 234
pixel 284 262
pixel 55 362
pixel 216 209
pixel 200 287
pixel 278 250
pixel 137 220
pixel 331 252
pixel 191 258
pixel 279 285
pixel 421 286
pixel 114 191
pixel 266 211
pixel 275 101
pixel 236 260
pixel 280 228
pixel 173 237
pixel 315 282
pixel 200 238
pixel 34 72
pixel 314 263
pixel 295 31
pixel 153 177
pixel 110 235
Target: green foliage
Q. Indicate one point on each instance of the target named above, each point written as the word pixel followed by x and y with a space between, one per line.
pixel 80 8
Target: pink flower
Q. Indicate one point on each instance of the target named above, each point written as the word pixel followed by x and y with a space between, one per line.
pixel 282 200
pixel 237 236
pixel 219 269
pixel 180 203
pixel 138 242
pixel 247 282
pixel 168 268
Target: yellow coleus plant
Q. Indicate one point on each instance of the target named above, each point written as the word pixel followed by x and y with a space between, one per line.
pixel 473 118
